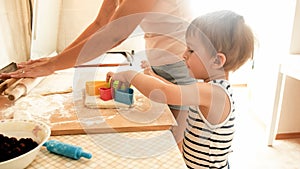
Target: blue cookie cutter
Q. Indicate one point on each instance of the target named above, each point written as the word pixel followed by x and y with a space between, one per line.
pixel 124 96
pixel 115 86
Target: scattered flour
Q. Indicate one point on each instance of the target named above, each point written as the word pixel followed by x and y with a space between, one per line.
pixel 39 107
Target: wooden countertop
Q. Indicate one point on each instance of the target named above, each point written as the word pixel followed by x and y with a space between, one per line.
pixel 66 113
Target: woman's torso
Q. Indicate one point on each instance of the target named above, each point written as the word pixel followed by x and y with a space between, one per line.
pixel 165 31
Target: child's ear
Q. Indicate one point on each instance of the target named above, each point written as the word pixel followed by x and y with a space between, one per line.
pixel 219 61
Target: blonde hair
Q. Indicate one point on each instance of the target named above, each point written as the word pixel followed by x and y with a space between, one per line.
pixel 225 32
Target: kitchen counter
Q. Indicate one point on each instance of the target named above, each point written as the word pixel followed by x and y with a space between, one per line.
pixel 52 102
pixel 116 139
pixel 132 150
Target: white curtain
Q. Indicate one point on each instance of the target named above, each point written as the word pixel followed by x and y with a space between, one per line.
pixel 15 31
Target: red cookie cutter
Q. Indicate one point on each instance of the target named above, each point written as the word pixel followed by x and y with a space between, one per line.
pixel 105 93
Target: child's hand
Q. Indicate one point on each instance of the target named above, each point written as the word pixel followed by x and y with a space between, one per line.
pixel 124 77
pixel 147 68
pixel 109 75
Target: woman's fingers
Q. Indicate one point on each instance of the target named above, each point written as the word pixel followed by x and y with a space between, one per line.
pixel 145 64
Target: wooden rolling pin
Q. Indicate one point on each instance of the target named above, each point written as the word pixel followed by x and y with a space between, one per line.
pixel 22 87
pixel 6 84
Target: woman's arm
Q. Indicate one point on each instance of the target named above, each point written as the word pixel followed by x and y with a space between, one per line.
pixel 107 10
pixel 94 42
pixel 121 24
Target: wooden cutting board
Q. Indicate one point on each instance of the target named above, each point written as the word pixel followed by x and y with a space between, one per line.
pixel 107 121
pixel 67 114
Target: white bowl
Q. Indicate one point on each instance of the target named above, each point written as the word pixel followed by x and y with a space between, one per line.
pixel 38 131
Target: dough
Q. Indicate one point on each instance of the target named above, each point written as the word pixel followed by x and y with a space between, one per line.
pixel 65 91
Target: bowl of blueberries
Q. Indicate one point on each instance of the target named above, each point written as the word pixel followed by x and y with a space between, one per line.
pixel 20 142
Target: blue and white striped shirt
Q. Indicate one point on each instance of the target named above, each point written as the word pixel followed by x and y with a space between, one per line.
pixel 206 145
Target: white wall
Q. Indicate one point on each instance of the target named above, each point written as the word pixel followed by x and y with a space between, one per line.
pixel 290 110
pixel 57 23
pixel 272 24
pixel 295 42
pixel 75 16
pixel 45 27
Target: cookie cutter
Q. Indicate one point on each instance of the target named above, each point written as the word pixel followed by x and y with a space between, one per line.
pixel 105 93
pixel 124 96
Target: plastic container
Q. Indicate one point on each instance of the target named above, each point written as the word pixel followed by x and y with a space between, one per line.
pixel 124 96
pixel 105 93
pixel 66 150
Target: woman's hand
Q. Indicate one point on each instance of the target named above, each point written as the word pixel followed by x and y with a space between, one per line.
pixel 32 68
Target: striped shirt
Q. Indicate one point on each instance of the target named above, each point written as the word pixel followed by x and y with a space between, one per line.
pixel 206 145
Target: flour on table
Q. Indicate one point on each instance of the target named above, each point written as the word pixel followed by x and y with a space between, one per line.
pixel 38 107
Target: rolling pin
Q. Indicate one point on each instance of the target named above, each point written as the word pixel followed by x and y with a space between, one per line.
pixel 66 150
pixel 22 87
pixel 6 84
